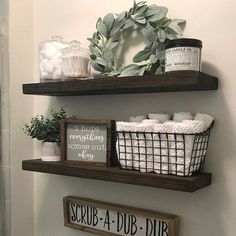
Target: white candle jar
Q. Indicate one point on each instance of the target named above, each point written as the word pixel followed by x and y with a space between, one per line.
pixel 75 62
pixel 183 54
pixel 50 58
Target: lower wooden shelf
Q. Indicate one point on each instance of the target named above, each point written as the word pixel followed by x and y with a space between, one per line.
pixel 114 174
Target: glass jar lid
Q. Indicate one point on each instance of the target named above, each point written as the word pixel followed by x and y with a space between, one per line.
pixel 74 48
pixel 54 38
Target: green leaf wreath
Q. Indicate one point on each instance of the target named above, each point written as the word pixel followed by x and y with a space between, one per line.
pixel 154 25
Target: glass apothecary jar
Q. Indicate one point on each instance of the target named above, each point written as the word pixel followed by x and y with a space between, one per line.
pixel 75 62
pixel 50 58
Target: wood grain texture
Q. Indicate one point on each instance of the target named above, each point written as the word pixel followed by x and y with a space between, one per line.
pixel 114 174
pixel 169 82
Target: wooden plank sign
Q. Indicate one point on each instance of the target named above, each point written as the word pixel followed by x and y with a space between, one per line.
pixel 86 141
pixel 103 218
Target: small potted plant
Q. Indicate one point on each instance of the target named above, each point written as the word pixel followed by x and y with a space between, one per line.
pixel 47 130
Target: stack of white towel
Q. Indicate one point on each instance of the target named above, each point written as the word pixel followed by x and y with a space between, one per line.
pixel 161 145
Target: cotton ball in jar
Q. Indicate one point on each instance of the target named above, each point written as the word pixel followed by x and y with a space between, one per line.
pixel 49 68
pixel 50 58
pixel 56 61
pixel 57 73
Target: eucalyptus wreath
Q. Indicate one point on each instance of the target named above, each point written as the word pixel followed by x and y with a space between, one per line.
pixel 156 28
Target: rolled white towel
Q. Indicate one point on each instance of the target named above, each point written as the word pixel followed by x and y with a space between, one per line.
pixel 161 135
pixel 180 116
pixel 134 147
pixel 205 118
pixel 152 164
pixel 160 117
pixel 162 144
pixel 169 144
pixel 144 135
pixel 193 126
pixel 127 155
pixel 137 118
pixel 184 143
pixel 125 139
pixel 125 143
pixel 166 127
pixel 144 138
pixel 126 126
pixel 144 144
pixel 150 122
pixel 126 161
pixel 143 127
pixel 200 126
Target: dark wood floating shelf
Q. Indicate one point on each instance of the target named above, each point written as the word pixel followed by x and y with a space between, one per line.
pixel 114 174
pixel 169 82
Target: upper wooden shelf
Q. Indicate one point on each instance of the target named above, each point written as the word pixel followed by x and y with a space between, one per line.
pixel 169 82
pixel 114 174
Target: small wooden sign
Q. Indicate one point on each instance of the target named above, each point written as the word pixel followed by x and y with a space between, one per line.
pixel 86 141
pixel 103 218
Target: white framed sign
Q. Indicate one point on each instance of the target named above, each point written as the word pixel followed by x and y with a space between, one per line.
pixel 87 142
pixel 103 218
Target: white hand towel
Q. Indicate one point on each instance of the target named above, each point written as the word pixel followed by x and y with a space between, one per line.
pixel 205 118
pixel 160 117
pixel 137 118
pixel 144 144
pixel 150 122
pixel 125 143
pixel 134 147
pixel 174 145
pixel 201 148
pixel 194 126
pixel 162 144
pixel 180 116
pixel 181 157
pixel 125 138
pixel 126 126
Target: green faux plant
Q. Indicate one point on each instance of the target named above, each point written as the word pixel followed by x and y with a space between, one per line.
pixel 45 129
pixel 156 27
